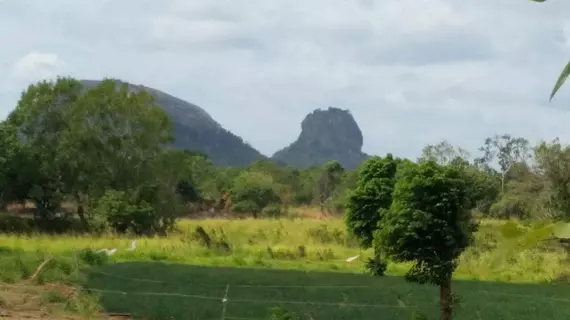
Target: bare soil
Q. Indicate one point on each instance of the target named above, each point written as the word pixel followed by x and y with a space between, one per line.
pixel 25 301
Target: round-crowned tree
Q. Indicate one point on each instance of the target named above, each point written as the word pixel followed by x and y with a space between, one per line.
pixel 373 193
pixel 253 191
pixel 429 223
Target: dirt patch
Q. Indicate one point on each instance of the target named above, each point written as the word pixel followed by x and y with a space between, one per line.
pixel 48 301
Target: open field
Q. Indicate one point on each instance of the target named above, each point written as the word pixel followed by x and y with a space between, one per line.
pixel 197 292
pixel 519 285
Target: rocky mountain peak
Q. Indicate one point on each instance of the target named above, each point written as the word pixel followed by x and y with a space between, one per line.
pixel 331 134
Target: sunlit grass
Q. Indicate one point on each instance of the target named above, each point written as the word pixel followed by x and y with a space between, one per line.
pixel 299 244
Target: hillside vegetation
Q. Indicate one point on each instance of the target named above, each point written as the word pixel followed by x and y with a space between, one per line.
pixel 85 169
pixel 194 129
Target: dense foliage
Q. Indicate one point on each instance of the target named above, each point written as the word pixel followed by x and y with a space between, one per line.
pixel 429 224
pixel 70 151
pixel 373 192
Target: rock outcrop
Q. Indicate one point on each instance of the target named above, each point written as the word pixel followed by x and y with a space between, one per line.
pixel 331 134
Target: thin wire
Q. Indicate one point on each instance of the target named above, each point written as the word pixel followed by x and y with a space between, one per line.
pixel 321 303
pixel 517 295
pixel 526 296
pixel 233 285
pixel 331 287
pixel 168 294
pixel 225 300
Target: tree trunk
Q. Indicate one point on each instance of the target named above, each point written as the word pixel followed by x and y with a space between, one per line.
pixel 445 303
pixel 503 183
pixel 81 214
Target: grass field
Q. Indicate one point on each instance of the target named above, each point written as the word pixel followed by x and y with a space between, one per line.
pixel 180 278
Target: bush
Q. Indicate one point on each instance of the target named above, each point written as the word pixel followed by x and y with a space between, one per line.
pixel 245 206
pixel 26 225
pixel 93 258
pixel 324 235
pixel 273 210
pixel 510 207
pixel 253 191
pixel 14 224
pixel 125 213
pixel 376 266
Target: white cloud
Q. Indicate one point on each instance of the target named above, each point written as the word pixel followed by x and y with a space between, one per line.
pixel 36 66
pixel 411 71
pixel 177 29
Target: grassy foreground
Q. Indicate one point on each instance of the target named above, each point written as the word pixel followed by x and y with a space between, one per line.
pixel 187 280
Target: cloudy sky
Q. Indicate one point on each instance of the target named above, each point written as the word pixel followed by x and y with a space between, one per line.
pixel 412 72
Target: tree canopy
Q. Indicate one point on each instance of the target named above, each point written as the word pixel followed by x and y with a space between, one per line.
pixel 429 224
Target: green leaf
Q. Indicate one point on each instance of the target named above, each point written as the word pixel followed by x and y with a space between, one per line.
pixel 561 79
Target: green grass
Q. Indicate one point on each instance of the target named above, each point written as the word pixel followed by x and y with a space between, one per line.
pixel 522 279
pixel 301 244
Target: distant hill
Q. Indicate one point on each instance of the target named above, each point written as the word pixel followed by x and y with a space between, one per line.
pixel 194 129
pixel 331 134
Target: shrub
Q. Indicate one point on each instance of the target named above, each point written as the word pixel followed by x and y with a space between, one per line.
pixel 510 207
pixel 93 258
pixel 273 210
pixel 127 213
pixel 376 266
pixel 253 191
pixel 246 206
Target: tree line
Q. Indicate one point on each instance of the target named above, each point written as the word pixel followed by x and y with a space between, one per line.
pixel 105 152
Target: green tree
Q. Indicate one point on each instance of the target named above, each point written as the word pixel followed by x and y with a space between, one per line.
pixel 203 174
pixel 18 171
pixel 367 202
pixel 113 141
pixel 9 149
pixel 428 223
pixel 306 186
pixel 252 192
pixel 328 182
pixel 484 185
pixel 506 151
pixel 85 142
pixel 373 192
pixel 116 134
pixel 443 153
pixel 40 120
pixel 553 160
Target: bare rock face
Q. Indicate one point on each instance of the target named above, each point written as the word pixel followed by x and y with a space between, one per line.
pixel 326 135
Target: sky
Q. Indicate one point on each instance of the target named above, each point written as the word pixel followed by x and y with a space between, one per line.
pixel 412 72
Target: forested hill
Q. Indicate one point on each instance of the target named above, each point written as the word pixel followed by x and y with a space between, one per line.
pixel 194 129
